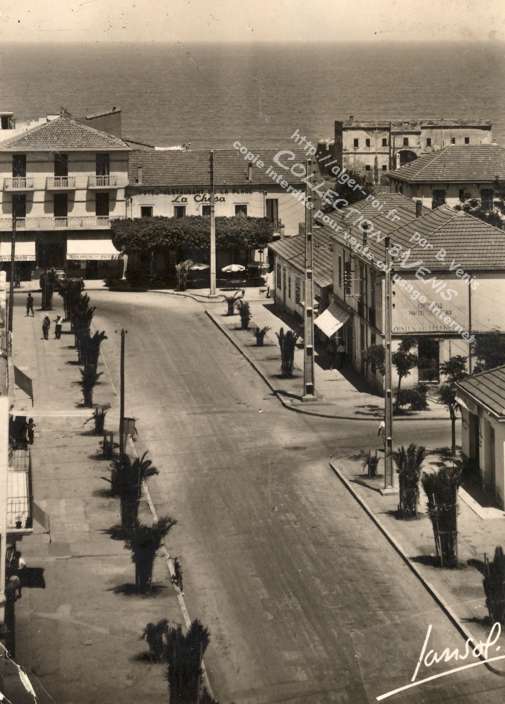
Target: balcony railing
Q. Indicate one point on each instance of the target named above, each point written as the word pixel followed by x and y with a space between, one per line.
pixel 19 492
pixel 60 183
pixel 18 183
pixel 71 222
pixel 106 181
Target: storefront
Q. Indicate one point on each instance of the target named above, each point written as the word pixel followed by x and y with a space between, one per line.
pixel 92 257
pixel 25 254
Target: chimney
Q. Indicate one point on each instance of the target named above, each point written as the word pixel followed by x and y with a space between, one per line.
pixel 249 172
pixel 419 208
pixel 139 175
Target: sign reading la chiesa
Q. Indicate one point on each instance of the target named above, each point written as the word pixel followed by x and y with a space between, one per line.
pixel 199 198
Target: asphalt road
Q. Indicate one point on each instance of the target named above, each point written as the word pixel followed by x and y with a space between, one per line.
pixel 305 600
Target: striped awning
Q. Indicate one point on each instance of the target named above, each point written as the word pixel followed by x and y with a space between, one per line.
pixel 24 248
pixel 91 248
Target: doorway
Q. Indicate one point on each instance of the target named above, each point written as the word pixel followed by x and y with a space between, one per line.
pixel 428 351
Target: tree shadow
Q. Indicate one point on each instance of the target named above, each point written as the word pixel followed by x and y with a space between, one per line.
pixel 114 532
pixel 130 589
pixel 103 494
pixel 484 621
pixel 32 577
pixel 145 656
pixel 478 565
pixel 72 362
pixel 97 457
pixel 426 560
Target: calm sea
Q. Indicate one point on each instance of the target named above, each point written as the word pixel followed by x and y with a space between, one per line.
pixel 210 95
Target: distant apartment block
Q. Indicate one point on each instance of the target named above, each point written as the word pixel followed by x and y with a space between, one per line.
pixel 372 147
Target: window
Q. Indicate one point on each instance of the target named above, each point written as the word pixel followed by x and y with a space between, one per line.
pixel 384 167
pixel 405 141
pixel 298 291
pixel 146 211
pixel 467 140
pixel 453 140
pixel 241 209
pixel 289 286
pixel 340 272
pixel 19 205
pixel 367 142
pixel 356 143
pixel 428 141
pixel 461 195
pixel 278 275
pixel 102 165
pixel 6 125
pixel 384 142
pixel 206 211
pixel 487 197
pixel 61 165
pixel 60 205
pixel 102 204
pixel 179 211
pixel 367 167
pixel 438 198
pixel 19 165
pixel 272 208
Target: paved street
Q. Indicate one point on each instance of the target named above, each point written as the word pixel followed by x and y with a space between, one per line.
pixel 305 600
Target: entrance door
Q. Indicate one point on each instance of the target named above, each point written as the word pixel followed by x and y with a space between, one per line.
pixel 474 439
pixel 428 359
pixel 490 476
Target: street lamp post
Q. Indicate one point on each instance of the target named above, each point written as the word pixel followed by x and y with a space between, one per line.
pixel 13 272
pixel 388 381
pixel 122 396
pixel 212 227
pixel 308 310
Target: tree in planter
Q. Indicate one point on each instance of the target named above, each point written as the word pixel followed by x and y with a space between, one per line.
pixel 98 418
pixel 232 301
pixel 127 482
pixel 91 348
pixel 489 351
pixel 371 464
pixel 287 344
pixel 441 489
pixel 494 586
pixel 409 464
pixel 259 334
pixel 245 314
pixel 404 361
pixel 89 379
pixel 185 655
pixel 415 398
pixel 455 370
pixel 144 542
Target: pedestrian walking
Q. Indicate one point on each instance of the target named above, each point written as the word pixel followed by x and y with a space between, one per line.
pixel 381 430
pixel 177 576
pixel 30 431
pixel 29 305
pixel 46 324
pixel 340 355
pixel 58 323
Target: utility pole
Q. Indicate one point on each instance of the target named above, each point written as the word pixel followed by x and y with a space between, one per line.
pixel 13 272
pixel 388 382
pixel 308 311
pixel 122 396
pixel 212 228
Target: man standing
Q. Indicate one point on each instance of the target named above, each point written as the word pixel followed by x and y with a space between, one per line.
pixel 46 324
pixel 57 326
pixel 340 354
pixel 29 305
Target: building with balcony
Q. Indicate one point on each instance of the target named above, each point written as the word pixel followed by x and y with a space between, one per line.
pixel 373 147
pixel 453 175
pixel 62 182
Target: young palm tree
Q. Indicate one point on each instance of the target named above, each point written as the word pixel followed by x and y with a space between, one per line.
pixel 494 586
pixel 144 542
pixel 441 489
pixel 185 654
pixel 287 344
pixel 128 480
pixel 89 379
pixel 409 463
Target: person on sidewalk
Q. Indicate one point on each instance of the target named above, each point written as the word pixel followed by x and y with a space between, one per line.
pixel 340 355
pixel 46 324
pixel 58 324
pixel 29 305
pixel 30 431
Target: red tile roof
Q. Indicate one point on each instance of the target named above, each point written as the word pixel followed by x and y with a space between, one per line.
pixel 455 164
pixel 180 169
pixel 63 134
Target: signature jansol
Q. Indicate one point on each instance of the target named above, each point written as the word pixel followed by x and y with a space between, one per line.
pixel 477 652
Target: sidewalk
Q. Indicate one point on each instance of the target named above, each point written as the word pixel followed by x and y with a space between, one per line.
pixel 459 591
pixel 78 628
pixel 342 395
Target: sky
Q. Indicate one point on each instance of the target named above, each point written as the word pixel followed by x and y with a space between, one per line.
pixel 250 20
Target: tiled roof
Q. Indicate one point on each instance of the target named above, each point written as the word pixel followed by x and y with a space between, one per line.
pixel 63 134
pixel 455 164
pixel 471 243
pixel 292 250
pixel 488 389
pixel 178 169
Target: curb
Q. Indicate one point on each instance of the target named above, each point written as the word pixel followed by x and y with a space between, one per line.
pixel 290 406
pixel 413 568
pixel 218 298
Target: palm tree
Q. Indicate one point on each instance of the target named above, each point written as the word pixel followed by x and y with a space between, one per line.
pixel 144 542
pixel 89 379
pixel 441 489
pixel 185 654
pixel 287 344
pixel 409 463
pixel 128 476
pixel 494 586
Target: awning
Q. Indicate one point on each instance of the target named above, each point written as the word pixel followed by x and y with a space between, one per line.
pixel 93 248
pixel 24 251
pixel 331 320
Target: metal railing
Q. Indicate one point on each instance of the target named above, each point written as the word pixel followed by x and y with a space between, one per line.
pixel 19 507
pixel 103 181
pixel 60 182
pixel 71 222
pixel 18 183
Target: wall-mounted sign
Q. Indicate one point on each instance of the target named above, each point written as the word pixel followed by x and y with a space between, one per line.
pixel 199 198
